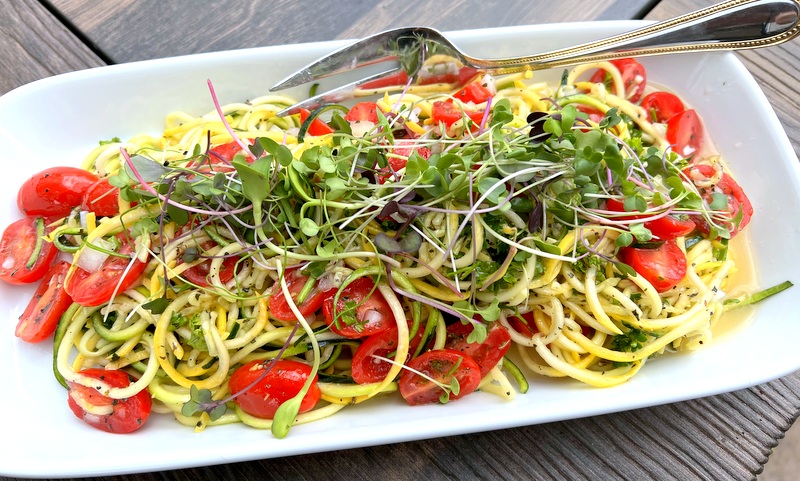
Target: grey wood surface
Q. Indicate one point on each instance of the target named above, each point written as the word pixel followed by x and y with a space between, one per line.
pixel 36 45
pixel 728 436
pixel 129 30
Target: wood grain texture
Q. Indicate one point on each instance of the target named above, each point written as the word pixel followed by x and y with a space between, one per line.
pixel 131 30
pixel 728 436
pixel 35 45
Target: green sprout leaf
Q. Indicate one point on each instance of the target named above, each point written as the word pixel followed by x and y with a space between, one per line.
pixel 641 232
pixel 157 306
pixel 200 401
pixel 493 189
pixel 286 415
pixel 309 227
pixel 719 201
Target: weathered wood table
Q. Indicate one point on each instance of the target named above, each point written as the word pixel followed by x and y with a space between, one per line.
pixel 728 436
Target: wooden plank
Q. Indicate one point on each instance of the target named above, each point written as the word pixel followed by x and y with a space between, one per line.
pixel 35 45
pixel 130 30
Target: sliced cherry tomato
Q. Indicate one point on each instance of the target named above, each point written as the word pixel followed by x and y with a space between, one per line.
pixel 284 381
pixel 44 310
pixel 738 202
pixel 487 353
pixel 685 133
pixel 442 365
pixel 17 246
pixel 366 368
pixel 95 288
pixel 226 152
pixel 406 147
pixel 664 228
pixel 662 106
pixel 317 127
pixel 102 198
pixel 524 324
pixel 595 115
pixel 634 77
pixel 473 92
pixel 466 74
pixel 295 281
pixel 402 150
pixel 664 266
pixel 118 416
pixel 363 112
pixel 670 227
pixel 220 157
pixel 198 274
pixel 400 78
pixel 447 113
pixel 54 192
pixel 439 78
pixel 361 311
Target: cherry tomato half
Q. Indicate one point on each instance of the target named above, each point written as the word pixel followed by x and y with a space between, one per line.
pixel 634 77
pixel 664 228
pixel 54 192
pixel 487 353
pixel 284 381
pixel 366 368
pixel 198 274
pixel 447 113
pixel 664 266
pixel 317 127
pixel 394 80
pixel 442 365
pixel 49 302
pixel 226 152
pixel 595 115
pixel 465 74
pixel 295 281
pixel 18 244
pixel 662 106
pixel 685 133
pixel 95 288
pixel 118 415
pixel 473 92
pixel 524 324
pixel 738 202
pixel 219 159
pixel 360 312
pixel 402 150
pixel 102 198
pixel 363 112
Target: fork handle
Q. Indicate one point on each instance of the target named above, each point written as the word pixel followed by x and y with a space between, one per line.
pixel 729 25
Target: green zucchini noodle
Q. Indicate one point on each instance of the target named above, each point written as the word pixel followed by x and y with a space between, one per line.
pixel 492 226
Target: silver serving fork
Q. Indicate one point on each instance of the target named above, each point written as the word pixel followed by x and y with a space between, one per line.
pixel 416 54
